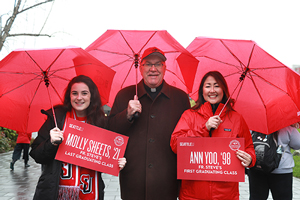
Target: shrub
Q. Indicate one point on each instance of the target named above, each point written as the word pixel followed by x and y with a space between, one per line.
pixel 4 143
pixel 8 139
pixel 11 134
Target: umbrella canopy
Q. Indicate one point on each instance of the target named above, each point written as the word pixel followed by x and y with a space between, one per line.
pixel 121 50
pixel 267 92
pixel 29 77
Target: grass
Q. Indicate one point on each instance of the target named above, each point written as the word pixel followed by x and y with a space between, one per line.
pixel 296 170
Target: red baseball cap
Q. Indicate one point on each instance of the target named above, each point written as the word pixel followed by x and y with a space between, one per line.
pixel 154 51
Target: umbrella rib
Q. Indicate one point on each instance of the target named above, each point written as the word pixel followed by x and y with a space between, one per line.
pixel 127 75
pixel 32 101
pixel 123 54
pixel 176 76
pixel 66 68
pixel 19 86
pixel 267 68
pixel 56 92
pixel 48 69
pixel 33 60
pixel 226 63
pixel 115 65
pixel 142 46
pixel 250 56
pixel 148 41
pixel 127 42
pixel 21 73
pixel 237 96
pixel 112 52
pixel 252 80
pixel 233 53
pixel 258 76
pixel 250 76
pixel 231 74
pixel 61 52
pixel 35 92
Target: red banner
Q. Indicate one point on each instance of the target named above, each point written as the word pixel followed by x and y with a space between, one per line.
pixel 92 147
pixel 206 158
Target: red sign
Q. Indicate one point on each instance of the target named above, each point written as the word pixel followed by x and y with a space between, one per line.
pixel 206 158
pixel 91 147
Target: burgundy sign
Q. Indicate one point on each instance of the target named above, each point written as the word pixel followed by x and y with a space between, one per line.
pixel 91 147
pixel 206 158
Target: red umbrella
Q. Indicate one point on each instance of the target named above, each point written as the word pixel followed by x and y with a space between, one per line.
pixel 266 91
pixel 31 80
pixel 121 50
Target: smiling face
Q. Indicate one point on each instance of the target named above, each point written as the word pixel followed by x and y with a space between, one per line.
pixel 212 92
pixel 80 98
pixel 153 70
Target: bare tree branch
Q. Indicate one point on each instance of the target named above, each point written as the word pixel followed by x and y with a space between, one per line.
pixel 28 34
pixel 4 33
pixel 38 4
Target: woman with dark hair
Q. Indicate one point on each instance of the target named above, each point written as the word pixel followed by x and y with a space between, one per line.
pixel 222 84
pixel 205 119
pixel 94 112
pixel 60 180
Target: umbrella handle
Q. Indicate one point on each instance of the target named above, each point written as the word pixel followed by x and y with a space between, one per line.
pixel 52 108
pixel 58 141
pixel 46 80
pixel 136 64
pixel 136 115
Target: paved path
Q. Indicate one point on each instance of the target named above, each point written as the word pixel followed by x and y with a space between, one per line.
pixel 20 183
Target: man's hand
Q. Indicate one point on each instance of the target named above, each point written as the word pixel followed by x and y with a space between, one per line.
pixel 133 107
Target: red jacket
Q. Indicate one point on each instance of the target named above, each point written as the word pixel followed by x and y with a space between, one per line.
pixel 192 124
pixel 24 137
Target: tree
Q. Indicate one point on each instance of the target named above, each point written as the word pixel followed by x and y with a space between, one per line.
pixel 5 31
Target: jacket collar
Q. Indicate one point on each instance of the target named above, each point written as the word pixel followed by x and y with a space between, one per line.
pixel 206 110
pixel 165 89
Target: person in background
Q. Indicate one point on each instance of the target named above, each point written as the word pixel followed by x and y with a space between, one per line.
pixel 150 173
pixel 280 180
pixel 60 180
pixel 22 143
pixel 205 120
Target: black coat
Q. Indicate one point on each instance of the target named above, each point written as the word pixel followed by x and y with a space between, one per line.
pixel 150 171
pixel 44 152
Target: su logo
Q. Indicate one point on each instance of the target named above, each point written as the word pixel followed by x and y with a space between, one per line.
pixel 66 171
pixel 86 183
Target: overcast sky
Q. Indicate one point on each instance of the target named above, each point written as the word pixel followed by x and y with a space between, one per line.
pixel 273 24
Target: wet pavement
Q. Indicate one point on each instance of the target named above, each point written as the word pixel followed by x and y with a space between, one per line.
pixel 20 183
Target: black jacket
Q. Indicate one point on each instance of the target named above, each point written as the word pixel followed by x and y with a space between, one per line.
pixel 44 152
pixel 150 171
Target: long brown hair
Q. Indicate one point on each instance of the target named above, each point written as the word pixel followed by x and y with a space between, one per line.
pixel 95 113
pixel 223 85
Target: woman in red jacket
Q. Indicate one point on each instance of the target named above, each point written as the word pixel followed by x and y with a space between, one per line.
pixel 203 120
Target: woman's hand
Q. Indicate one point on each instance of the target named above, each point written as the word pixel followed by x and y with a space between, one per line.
pixel 56 135
pixel 296 125
pixel 244 157
pixel 122 162
pixel 213 122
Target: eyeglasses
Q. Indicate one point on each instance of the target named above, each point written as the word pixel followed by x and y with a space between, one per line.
pixel 156 65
